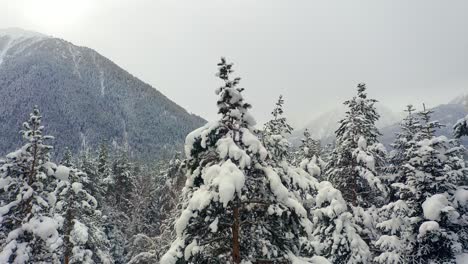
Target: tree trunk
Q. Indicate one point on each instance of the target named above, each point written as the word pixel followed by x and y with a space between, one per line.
pixel 235 237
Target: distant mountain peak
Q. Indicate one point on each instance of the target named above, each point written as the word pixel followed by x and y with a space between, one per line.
pixel 15 33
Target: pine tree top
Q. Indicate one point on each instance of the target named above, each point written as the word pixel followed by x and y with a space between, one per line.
pixel 231 104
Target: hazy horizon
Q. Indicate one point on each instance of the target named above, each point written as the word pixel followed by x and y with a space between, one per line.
pixel 312 52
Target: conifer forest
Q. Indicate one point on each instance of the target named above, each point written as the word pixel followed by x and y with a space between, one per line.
pixel 99 167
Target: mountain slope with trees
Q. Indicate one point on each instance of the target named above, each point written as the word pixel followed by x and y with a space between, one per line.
pixel 85 97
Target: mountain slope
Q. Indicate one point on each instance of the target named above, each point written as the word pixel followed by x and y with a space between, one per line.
pixel 446 114
pixel 84 98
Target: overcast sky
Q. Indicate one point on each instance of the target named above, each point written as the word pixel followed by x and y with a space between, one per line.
pixel 312 52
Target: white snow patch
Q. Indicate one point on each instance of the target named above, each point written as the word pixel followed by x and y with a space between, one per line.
pixel 214 225
pixel 434 205
pixel 4 182
pixel 461 196
pixel 362 143
pixel 427 227
pixel 77 187
pixel 200 199
pixel 101 79
pixel 4 51
pixel 62 173
pixel 228 178
pixel 76 57
pixel 191 250
pixel 173 253
pixel 79 234
pixel 228 148
pixel 44 227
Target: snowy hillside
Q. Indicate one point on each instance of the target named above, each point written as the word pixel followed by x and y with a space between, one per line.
pixel 85 98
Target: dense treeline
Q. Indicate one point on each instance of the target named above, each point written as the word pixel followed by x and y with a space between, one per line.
pixel 243 194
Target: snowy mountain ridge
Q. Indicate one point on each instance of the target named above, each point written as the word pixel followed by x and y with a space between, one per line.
pixel 85 98
pixel 16 38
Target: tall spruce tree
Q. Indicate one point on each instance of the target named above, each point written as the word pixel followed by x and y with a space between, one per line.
pixel 122 170
pixel 309 156
pixel 28 229
pixel 104 179
pixel 395 218
pixel 84 237
pixel 237 208
pixel 410 126
pixel 354 165
pixel 278 147
pixel 67 159
pixel 274 133
pixel 88 165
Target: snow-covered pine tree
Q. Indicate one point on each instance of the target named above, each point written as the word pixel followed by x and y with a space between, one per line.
pixel 123 175
pixel 357 157
pixel 421 223
pixel 237 209
pixel 166 198
pixel 310 147
pixel 140 202
pixel 395 218
pixel 274 133
pixel 88 165
pixel 309 156
pixel 118 208
pixel 160 214
pixel 461 127
pixel 27 227
pixel 274 137
pixel 432 172
pixel 67 159
pixel 409 128
pixel 335 235
pixel 84 237
pixel 104 177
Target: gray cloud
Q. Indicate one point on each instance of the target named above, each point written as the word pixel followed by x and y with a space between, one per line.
pixel 312 52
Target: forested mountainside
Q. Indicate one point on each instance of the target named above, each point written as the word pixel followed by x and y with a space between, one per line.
pixel 84 97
